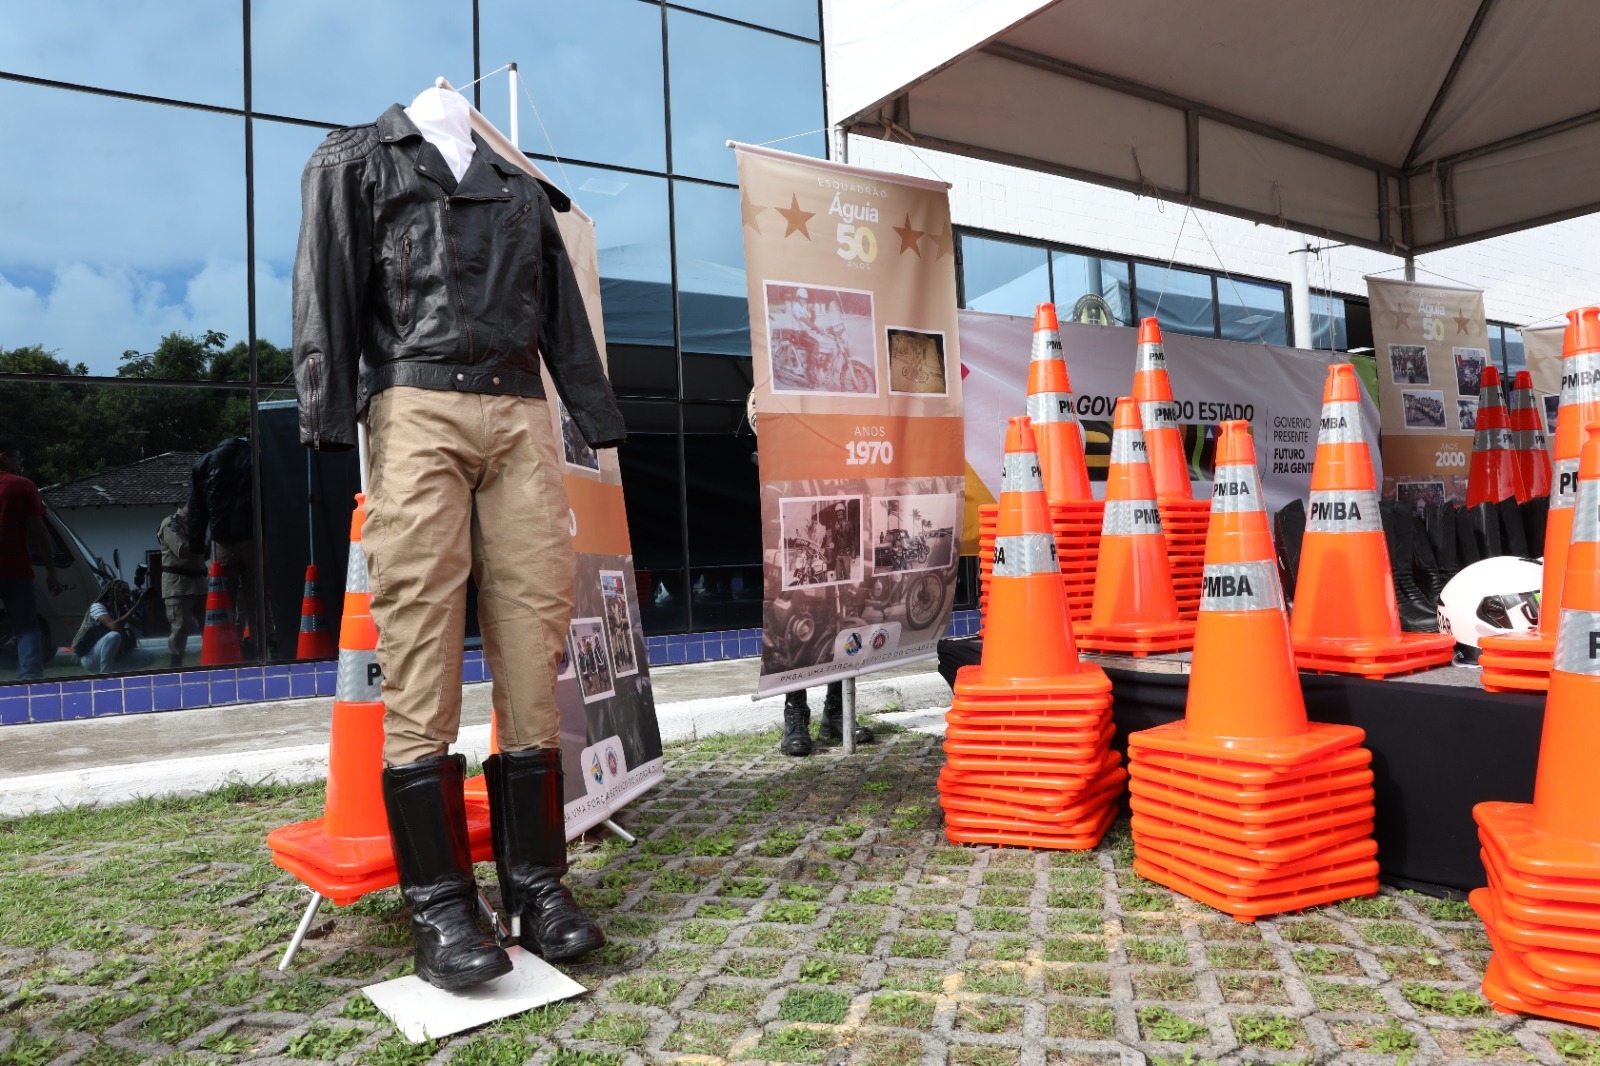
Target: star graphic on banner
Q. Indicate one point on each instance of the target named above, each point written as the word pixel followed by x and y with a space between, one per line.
pixel 795 219
pixel 749 210
pixel 1401 319
pixel 909 236
pixel 944 242
pixel 1463 320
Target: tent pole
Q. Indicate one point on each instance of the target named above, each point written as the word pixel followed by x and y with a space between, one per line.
pixel 1411 268
pixel 1300 291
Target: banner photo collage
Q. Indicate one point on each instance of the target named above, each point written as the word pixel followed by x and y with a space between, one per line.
pixel 857 412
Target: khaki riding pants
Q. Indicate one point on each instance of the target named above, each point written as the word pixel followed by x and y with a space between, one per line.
pixel 463 483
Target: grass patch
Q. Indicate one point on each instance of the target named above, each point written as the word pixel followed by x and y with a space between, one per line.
pixel 997 920
pixel 324 1042
pixel 1080 1023
pixel 1251 988
pixel 1395 935
pixel 1241 958
pixel 790 912
pixel 1371 907
pixel 1163 984
pixel 901 1010
pixel 794 1044
pixel 1273 1031
pixel 702 1037
pixel 1064 949
pixel 1077 981
pixel 754 967
pixel 925 946
pixel 988 1017
pixel 1347 999
pixel 1158 952
pixel 626 1030
pixel 647 991
pixel 1310 931
pixel 1159 1023
pixel 1460 1003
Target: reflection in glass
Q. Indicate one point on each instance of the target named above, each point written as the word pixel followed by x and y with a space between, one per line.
pixel 777 93
pixel 281 151
pixel 141 234
pixel 1090 289
pixel 631 219
pixel 653 480
pixel 1497 347
pixel 713 299
pixel 790 16
pixel 1004 277
pixel 1329 329
pixel 593 70
pixel 725 556
pixel 347 62
pixel 1252 312
pixel 1183 296
pixel 181 49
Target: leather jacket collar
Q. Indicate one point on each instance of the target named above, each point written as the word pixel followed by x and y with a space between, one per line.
pixel 482 180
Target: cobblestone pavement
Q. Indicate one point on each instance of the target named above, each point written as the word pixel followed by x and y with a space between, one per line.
pixel 775 910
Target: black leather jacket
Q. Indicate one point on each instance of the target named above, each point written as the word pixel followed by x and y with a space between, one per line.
pixel 405 277
pixel 220 495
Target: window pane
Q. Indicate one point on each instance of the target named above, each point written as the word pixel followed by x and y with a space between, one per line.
pixel 93 267
pixel 1089 289
pixel 181 49
pixel 1252 312
pixel 790 16
pixel 631 219
pixel 713 301
pixel 1004 277
pixel 1497 348
pixel 652 485
pixel 1185 306
pixel 281 151
pixel 592 69
pixel 1329 329
pixel 1516 356
pixel 732 83
pixel 725 557
pixel 347 62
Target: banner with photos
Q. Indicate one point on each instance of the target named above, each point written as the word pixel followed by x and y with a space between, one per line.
pixel 610 741
pixel 857 411
pixel 1432 346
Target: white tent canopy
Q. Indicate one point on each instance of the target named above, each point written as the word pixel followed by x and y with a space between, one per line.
pixel 1403 127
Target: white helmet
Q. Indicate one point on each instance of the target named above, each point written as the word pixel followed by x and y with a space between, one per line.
pixel 1491 597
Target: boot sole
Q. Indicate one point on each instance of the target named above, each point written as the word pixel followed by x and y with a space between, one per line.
pixel 583 948
pixel 457 982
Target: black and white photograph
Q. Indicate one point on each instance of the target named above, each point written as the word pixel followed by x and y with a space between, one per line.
pixel 1552 405
pixel 1424 408
pixel 592 658
pixel 822 340
pixel 1467 411
pixel 619 624
pixel 1469 369
pixel 565 669
pixel 916 362
pixel 821 541
pixel 1420 494
pixel 913 533
pixel 1408 364
pixel 575 450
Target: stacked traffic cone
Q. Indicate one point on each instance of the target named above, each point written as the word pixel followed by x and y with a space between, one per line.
pixel 1135 611
pixel 316 639
pixel 1520 662
pixel 1184 519
pixel 1029 730
pixel 1527 435
pixel 1493 475
pixel 346 853
pixel 1541 908
pixel 1077 530
pixel 1245 805
pixel 1345 619
pixel 219 641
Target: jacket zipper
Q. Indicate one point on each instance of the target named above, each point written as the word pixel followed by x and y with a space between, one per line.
pixel 405 279
pixel 519 214
pixel 461 303
pixel 314 373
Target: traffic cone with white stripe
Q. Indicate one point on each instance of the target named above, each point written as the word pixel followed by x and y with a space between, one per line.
pixel 1520 662
pixel 1493 475
pixel 1158 414
pixel 1541 908
pixel 1135 611
pixel 1055 422
pixel 219 641
pixel 1244 805
pixel 316 639
pixel 1527 435
pixel 1346 620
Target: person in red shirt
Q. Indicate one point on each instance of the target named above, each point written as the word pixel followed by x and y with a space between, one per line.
pixel 22 529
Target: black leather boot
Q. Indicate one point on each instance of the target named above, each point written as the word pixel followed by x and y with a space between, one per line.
pixel 796 724
pixel 428 827
pixel 832 727
pixel 527 821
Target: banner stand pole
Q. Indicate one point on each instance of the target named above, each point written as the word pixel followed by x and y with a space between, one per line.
pixel 300 933
pixel 848 685
pixel 621 834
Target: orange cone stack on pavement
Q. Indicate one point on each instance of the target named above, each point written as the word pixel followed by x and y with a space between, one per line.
pixel 1183 518
pixel 316 639
pixel 1493 475
pixel 219 640
pixel 346 853
pixel 1520 662
pixel 1029 730
pixel 1527 434
pixel 1245 805
pixel 1541 908
pixel 1135 611
pixel 1346 620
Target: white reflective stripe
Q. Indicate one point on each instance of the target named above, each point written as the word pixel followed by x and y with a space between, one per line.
pixel 218 617
pixel 1236 490
pixel 1159 414
pixel 1493 439
pixel 1025 555
pixel 1580 378
pixel 1341 423
pixel 1131 518
pixel 1128 446
pixel 1344 511
pixel 1151 357
pixel 1241 587
pixel 1522 400
pixel 359 680
pixel 355 576
pixel 1019 472
pixel 1046 407
pixel 1563 483
pixel 1490 396
pixel 1586 513
pixel 1578 642
pixel 1046 345
pixel 1529 440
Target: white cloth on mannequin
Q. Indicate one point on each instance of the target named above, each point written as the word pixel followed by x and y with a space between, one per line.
pixel 445 119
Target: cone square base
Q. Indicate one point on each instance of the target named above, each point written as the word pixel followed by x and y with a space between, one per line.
pixel 1223 773
pixel 1027 737
pixel 1087 753
pixel 1083 807
pixel 1255 907
pixel 984 715
pixel 973 684
pixel 1011 833
pixel 1497 990
pixel 1498 677
pixel 1137 638
pixel 1041 804
pixel 1352 770
pixel 346 868
pixel 1353 861
pixel 1295 810
pixel 1508 833
pixel 1531 643
pixel 1405 654
pixel 1320 740
pixel 1518 968
pixel 1512 920
pixel 1165 824
pixel 1053 782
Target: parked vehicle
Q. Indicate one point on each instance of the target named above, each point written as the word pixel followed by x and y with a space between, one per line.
pixel 82 575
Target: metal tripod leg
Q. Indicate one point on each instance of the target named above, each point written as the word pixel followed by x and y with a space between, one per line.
pixel 300 933
pixel 501 935
pixel 621 833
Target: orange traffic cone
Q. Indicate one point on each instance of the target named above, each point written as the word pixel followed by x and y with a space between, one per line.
pixel 1493 476
pixel 1527 434
pixel 1159 416
pixel 1245 805
pixel 219 641
pixel 1345 618
pixel 1541 908
pixel 1135 611
pixel 1029 730
pixel 1521 661
pixel 346 853
pixel 316 639
pixel 1055 423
